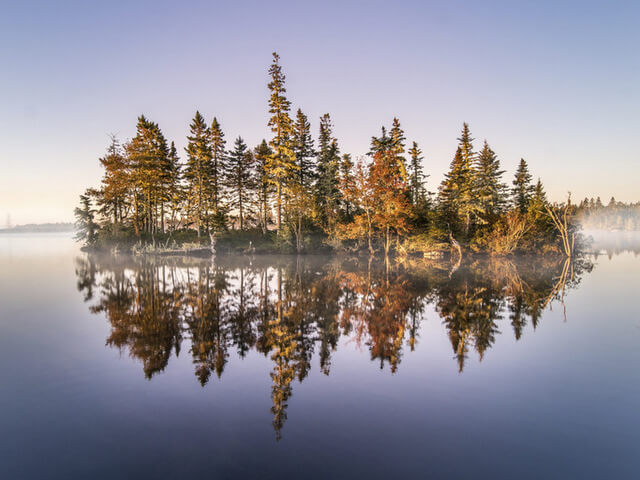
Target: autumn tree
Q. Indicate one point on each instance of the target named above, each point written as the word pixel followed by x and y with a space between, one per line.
pixel 389 190
pixel 358 192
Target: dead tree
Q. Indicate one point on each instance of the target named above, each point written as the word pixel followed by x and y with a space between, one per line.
pixel 559 217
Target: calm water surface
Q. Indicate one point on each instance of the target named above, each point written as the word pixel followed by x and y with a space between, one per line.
pixel 317 367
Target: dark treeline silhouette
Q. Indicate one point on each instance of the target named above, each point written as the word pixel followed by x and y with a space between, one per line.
pixel 594 215
pixel 298 193
pixel 295 310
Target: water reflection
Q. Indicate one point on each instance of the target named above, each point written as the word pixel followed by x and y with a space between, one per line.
pixel 290 309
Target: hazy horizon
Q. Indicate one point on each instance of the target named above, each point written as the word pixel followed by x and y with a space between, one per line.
pixel 554 84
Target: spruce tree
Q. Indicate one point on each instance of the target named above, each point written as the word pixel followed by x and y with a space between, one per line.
pixel 282 162
pixel 522 188
pixel 380 144
pixel 148 155
pixel 175 188
pixel 240 180
pixel 218 167
pixel 398 147
pixel 327 191
pixel 416 175
pixel 198 170
pixel 489 187
pixel 347 185
pixel 86 226
pixel 264 186
pixel 115 182
pixel 458 196
pixel 303 148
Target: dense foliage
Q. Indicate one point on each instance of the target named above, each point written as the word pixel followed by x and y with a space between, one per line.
pixel 294 191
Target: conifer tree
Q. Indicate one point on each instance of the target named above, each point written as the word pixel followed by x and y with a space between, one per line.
pixel 382 144
pixel 176 191
pixel 86 225
pixel 264 186
pixel 303 148
pixel 115 182
pixel 489 187
pixel 457 197
pixel 346 185
pixel 327 192
pixel 522 189
pixel 198 171
pixel 398 148
pixel 416 175
pixel 240 180
pixel 149 157
pixel 218 167
pixel 282 162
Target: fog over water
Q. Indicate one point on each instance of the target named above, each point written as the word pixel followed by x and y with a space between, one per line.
pixel 317 367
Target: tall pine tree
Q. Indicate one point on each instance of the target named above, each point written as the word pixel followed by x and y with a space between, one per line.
pixel 282 162
pixel 327 191
pixel 303 148
pixel 264 186
pixel 240 180
pixel 199 171
pixel 522 190
pixel 489 187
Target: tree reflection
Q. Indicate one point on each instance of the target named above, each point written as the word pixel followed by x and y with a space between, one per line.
pixel 293 310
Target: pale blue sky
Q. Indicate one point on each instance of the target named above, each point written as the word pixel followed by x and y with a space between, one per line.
pixel 554 82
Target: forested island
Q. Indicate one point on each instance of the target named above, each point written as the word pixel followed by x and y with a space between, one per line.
pixel 291 193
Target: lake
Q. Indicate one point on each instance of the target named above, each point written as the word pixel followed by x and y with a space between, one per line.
pixel 317 367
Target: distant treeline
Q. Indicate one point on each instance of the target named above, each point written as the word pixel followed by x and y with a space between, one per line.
pixel 39 228
pixel 593 215
pixel 293 191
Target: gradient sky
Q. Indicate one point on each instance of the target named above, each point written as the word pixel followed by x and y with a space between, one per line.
pixel 554 82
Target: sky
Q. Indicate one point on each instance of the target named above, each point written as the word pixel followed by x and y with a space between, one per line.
pixel 554 82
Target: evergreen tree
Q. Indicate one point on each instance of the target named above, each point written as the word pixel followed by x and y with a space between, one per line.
pixel 264 186
pixel 218 167
pixel 148 154
pixel 489 187
pixel 175 189
pixel 346 185
pixel 282 162
pixel 86 225
pixel 198 171
pixel 240 180
pixel 416 175
pixel 115 182
pixel 457 197
pixel 522 189
pixel 380 144
pixel 327 192
pixel 397 147
pixel 303 148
